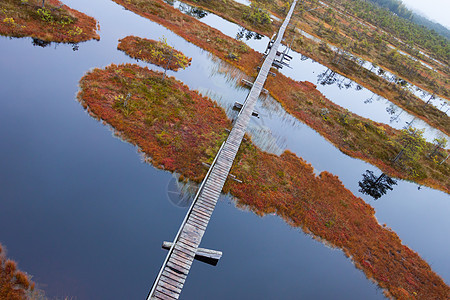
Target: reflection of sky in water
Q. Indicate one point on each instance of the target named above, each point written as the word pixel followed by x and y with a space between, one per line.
pixel 85 207
pixel 438 102
pixel 245 2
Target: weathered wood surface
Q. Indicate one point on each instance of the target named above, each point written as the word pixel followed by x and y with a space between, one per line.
pixel 208 256
pixel 173 273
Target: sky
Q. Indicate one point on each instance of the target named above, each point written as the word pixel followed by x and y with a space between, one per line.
pixel 437 10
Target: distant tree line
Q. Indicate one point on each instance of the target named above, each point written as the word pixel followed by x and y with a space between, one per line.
pixel 411 33
pixel 397 7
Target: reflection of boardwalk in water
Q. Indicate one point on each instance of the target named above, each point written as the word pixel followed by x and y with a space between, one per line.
pixel 170 280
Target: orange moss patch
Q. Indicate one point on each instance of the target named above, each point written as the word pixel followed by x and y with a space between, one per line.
pixel 14 284
pixel 176 127
pixel 155 52
pixel 190 131
pixel 53 23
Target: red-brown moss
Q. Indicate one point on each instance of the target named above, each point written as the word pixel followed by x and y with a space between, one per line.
pixel 155 52
pixel 189 132
pixel 14 284
pixel 53 23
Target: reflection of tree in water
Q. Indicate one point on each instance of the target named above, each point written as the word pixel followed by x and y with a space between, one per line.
pixel 41 43
pixel 327 78
pixel 303 57
pixel 376 187
pixel 75 47
pixel 369 100
pixel 243 32
pixel 392 110
pixel 192 11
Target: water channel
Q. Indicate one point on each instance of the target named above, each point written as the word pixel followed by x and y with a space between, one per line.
pixel 81 212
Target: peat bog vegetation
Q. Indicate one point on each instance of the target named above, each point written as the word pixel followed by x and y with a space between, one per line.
pixel 155 52
pixel 48 21
pixel 14 284
pixel 179 130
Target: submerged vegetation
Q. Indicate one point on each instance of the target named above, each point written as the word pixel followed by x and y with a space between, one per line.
pixel 179 130
pixel 155 52
pixel 14 284
pixel 356 136
pixel 49 21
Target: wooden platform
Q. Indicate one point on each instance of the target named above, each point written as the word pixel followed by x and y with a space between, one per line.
pixel 173 273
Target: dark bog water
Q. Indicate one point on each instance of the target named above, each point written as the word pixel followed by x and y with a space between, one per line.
pixel 81 212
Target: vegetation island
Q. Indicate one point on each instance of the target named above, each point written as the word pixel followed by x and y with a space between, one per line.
pixel 178 130
pixel 14 284
pixel 376 143
pixel 156 52
pixel 46 20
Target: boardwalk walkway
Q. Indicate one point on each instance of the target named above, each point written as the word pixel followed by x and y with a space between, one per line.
pixel 173 273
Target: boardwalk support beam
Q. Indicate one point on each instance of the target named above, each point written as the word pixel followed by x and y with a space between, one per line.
pixel 250 84
pixel 208 256
pixel 238 106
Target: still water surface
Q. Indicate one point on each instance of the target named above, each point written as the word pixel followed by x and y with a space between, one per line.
pixel 81 212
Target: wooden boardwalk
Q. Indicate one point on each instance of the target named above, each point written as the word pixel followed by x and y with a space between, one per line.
pixel 170 280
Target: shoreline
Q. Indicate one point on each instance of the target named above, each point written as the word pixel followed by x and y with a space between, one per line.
pixel 55 22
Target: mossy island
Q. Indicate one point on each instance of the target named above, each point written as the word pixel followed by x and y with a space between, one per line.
pixel 49 21
pixel 159 53
pixel 14 284
pixel 178 130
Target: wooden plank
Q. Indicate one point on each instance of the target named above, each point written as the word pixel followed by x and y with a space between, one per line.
pixel 198 219
pixel 172 282
pixel 170 287
pixel 175 278
pixel 195 223
pixel 177 268
pixel 168 292
pixel 179 255
pixel 181 261
pixel 183 248
pixel 174 275
pixel 159 295
pixel 187 243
